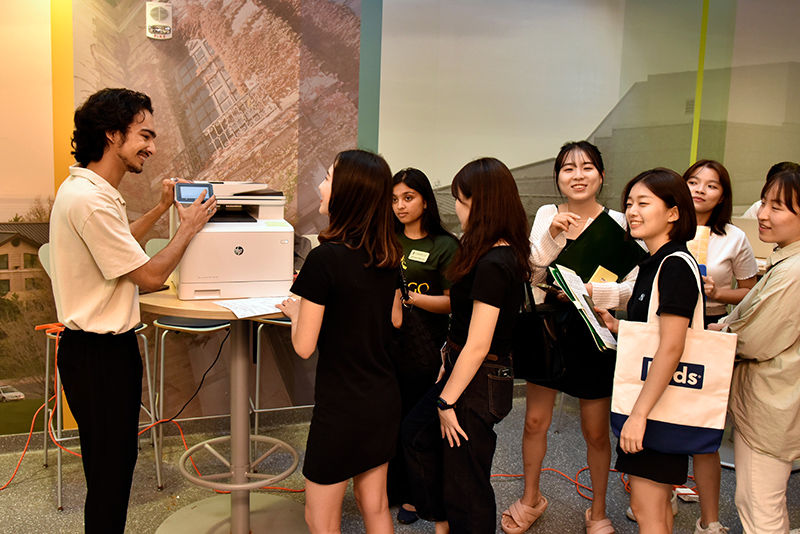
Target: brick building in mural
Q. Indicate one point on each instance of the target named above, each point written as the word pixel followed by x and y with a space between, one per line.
pixel 247 90
pixel 20 270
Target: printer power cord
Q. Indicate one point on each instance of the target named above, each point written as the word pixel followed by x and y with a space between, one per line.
pixel 56 329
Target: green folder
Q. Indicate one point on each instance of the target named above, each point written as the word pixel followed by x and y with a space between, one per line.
pixel 602 243
pixel 583 302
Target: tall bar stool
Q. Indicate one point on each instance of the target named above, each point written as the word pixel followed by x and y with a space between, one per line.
pixel 164 325
pixel 278 321
pixel 57 432
pixel 50 335
pixel 169 324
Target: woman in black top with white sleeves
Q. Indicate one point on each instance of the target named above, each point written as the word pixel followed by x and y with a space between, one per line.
pixel 659 211
pixel 451 479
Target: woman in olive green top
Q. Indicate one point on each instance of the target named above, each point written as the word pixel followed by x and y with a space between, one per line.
pixel 427 251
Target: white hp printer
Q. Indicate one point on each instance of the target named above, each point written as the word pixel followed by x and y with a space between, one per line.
pixel 245 250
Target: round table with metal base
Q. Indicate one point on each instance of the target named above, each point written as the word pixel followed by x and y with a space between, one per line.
pixel 233 512
pixel 268 513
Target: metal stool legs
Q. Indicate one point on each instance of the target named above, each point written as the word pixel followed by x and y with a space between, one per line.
pixel 256 407
pixel 150 394
pixel 59 424
pixel 258 382
pixel 172 324
pixel 59 439
pixel 159 437
pixel 48 337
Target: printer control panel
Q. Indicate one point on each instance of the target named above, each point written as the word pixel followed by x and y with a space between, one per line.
pixel 186 193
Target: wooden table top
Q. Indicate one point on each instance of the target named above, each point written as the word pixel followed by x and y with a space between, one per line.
pixel 166 302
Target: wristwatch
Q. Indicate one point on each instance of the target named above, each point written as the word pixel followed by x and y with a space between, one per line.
pixel 442 404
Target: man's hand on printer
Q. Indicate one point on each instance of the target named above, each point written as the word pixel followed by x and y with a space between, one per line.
pixel 290 308
pixel 196 215
pixel 168 191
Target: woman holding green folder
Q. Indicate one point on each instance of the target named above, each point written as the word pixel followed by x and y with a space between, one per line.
pixel 589 373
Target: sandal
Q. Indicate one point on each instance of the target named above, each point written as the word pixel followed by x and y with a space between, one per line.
pixel 523 516
pixel 602 526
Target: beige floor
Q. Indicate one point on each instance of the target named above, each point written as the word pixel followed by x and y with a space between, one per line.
pixel 28 505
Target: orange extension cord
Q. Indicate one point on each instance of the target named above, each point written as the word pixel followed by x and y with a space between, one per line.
pixel 57 328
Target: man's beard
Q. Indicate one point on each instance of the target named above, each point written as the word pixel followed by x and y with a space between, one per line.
pixel 133 167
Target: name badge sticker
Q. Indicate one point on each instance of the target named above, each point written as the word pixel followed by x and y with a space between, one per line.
pixel 418 255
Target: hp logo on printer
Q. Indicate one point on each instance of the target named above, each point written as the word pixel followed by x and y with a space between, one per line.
pixel 687 375
pixel 238 251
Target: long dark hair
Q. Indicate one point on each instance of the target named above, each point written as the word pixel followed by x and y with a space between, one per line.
pixel 360 207
pixel 721 214
pixel 431 221
pixel 107 110
pixel 496 214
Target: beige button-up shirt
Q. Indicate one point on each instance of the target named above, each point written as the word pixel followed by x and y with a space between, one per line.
pixel 91 251
pixel 765 393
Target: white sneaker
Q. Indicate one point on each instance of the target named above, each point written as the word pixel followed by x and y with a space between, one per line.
pixel 713 528
pixel 674 502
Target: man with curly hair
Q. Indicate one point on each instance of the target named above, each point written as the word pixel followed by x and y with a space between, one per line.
pixel 97 267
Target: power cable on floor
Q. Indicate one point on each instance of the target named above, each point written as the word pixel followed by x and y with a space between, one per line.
pixel 57 329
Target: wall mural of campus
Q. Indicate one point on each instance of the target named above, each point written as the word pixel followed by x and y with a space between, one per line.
pixel 246 90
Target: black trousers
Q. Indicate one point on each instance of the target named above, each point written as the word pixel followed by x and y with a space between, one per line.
pixel 453 483
pixel 412 389
pixel 102 378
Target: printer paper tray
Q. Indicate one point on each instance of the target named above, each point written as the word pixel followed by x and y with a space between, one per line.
pixel 233 290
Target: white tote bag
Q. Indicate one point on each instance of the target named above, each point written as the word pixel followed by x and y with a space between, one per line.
pixel 689 417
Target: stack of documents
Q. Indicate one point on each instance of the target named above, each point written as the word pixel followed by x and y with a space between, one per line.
pixel 569 281
pixel 602 253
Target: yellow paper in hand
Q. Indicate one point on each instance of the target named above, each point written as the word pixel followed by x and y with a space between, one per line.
pixel 603 275
pixel 699 245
